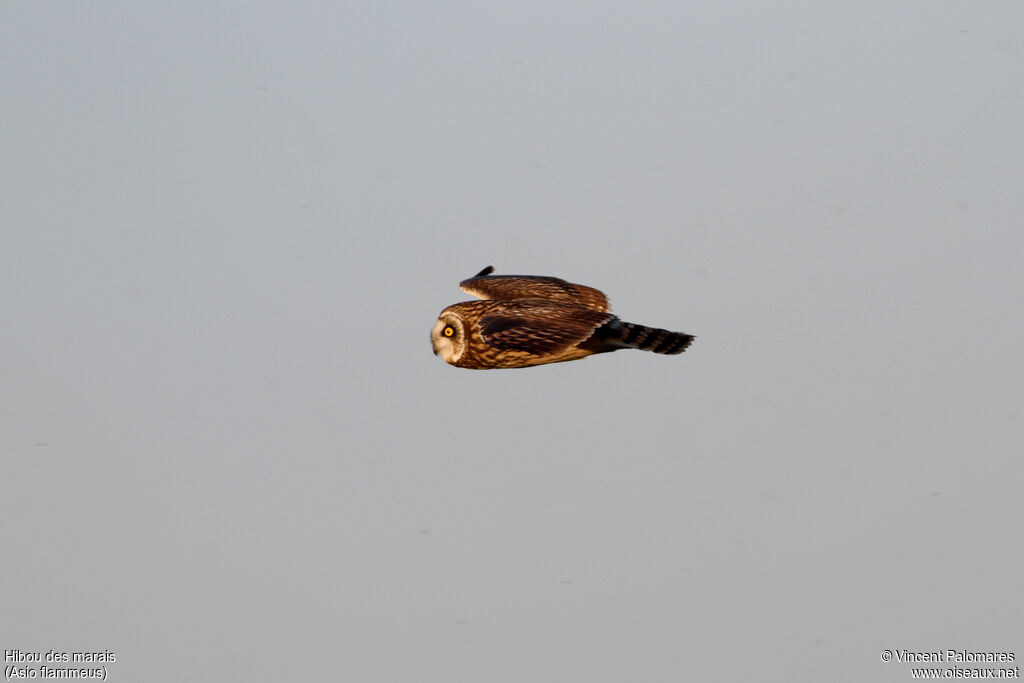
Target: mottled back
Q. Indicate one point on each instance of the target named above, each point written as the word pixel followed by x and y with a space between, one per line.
pixel 506 287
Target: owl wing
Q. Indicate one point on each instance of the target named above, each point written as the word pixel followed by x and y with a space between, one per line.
pixel 540 326
pixel 506 287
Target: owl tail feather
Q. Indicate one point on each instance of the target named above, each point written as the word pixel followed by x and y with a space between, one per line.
pixel 653 339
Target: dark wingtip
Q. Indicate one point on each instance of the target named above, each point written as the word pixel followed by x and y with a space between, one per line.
pixel 486 271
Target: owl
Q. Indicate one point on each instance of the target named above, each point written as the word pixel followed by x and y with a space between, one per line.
pixel 527 320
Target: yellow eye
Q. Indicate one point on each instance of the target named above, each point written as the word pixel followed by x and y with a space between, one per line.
pixel 448 331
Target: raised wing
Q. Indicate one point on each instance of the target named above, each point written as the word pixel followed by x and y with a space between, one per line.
pixel 508 287
pixel 540 326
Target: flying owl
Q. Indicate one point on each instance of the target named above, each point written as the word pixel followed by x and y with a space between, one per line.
pixel 527 320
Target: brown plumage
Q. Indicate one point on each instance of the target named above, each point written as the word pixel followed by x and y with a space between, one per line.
pixel 527 320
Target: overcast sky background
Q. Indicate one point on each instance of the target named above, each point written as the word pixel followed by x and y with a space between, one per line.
pixel 226 231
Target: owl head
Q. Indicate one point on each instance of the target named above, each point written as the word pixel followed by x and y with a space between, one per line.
pixel 449 336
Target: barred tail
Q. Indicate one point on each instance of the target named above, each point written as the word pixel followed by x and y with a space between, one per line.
pixel 654 339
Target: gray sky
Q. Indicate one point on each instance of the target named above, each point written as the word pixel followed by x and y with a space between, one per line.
pixel 226 231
